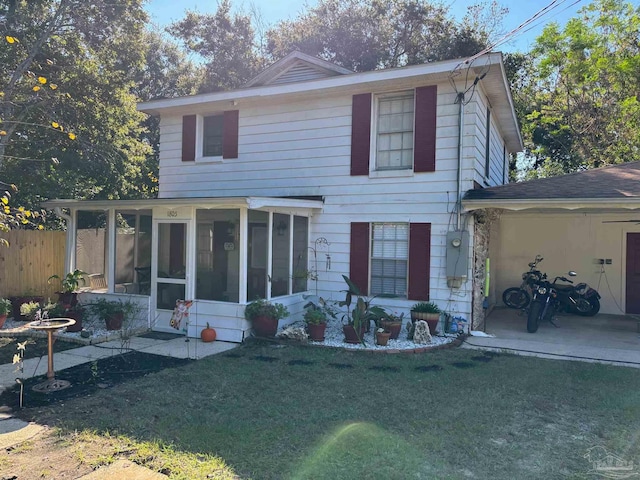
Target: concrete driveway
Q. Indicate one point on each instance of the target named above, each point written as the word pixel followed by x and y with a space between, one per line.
pixel 604 338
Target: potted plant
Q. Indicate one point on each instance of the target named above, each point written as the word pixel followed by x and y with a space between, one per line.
pixel 68 294
pixel 19 300
pixel 208 334
pixel 358 319
pixel 61 310
pixel 5 309
pixel 264 316
pixel 392 323
pixel 382 337
pixel 316 321
pixel 427 311
pixel 29 310
pixel 112 312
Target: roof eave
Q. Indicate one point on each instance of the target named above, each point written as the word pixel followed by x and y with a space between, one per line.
pixel 553 203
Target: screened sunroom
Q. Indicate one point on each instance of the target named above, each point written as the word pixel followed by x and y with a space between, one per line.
pixel 219 252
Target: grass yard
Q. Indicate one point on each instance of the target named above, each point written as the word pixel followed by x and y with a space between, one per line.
pixel 264 412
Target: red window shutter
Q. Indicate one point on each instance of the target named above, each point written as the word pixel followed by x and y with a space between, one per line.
pixel 230 134
pixel 188 138
pixel 424 152
pixel 419 261
pixel 359 257
pixel 360 134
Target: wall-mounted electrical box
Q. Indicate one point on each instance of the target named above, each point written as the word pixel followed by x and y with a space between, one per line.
pixel 457 264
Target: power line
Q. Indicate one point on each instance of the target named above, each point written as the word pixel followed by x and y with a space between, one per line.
pixel 518 30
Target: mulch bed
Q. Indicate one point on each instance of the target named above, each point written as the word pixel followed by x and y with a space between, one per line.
pixel 90 377
pixel 36 347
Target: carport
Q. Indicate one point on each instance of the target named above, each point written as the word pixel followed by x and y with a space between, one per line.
pixel 588 222
pixel 604 338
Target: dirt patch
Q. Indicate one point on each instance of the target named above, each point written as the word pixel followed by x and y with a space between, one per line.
pixel 89 377
pixel 429 368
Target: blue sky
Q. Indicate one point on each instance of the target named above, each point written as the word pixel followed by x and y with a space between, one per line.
pixel 164 12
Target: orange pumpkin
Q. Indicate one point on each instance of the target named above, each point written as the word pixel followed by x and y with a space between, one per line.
pixel 208 334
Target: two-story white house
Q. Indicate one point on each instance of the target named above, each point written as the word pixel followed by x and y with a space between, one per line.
pixel 309 173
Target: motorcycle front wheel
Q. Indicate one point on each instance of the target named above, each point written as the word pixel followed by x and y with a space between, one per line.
pixel 588 307
pixel 533 317
pixel 515 297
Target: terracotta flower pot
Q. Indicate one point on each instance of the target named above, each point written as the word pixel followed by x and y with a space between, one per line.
pixel 265 326
pixel 77 316
pixel 394 329
pixel 350 334
pixel 3 318
pixel 316 331
pixel 114 322
pixel 382 338
pixel 68 298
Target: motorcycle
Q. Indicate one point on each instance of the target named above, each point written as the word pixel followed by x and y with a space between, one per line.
pixel 520 297
pixel 550 298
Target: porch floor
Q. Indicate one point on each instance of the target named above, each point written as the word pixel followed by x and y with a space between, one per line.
pixel 604 338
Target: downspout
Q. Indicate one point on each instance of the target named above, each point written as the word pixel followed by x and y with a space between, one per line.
pixel 460 100
pixel 68 253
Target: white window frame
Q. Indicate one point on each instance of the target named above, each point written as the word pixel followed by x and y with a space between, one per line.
pixel 374 172
pixel 372 258
pixel 200 139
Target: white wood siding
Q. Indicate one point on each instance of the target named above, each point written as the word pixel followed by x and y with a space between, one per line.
pixel 477 119
pixel 303 148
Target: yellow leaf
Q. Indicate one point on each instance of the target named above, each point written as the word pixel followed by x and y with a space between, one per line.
pixel 21 209
pixel 36 88
pixel 5 200
pixel 25 221
pixel 27 213
pixel 40 227
pixel 55 124
pixel 72 135
pixel 11 39
pixel 16 358
pixel 53 86
pixel 42 80
pixel 14 187
pixel 2 133
pixel 1 94
pixel 7 209
pixel 61 128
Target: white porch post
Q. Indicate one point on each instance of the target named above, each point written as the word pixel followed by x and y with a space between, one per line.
pixel 72 238
pixel 111 250
pixel 269 254
pixel 291 259
pixel 243 278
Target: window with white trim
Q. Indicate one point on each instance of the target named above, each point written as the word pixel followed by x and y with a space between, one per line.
pixel 212 131
pixel 389 259
pixel 394 131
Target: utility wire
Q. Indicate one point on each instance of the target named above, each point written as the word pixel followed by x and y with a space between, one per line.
pixel 518 30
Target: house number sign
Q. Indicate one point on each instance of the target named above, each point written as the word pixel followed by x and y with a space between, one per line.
pixel 172 213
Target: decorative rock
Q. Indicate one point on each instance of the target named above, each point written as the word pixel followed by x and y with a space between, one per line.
pixel 294 333
pixel 421 335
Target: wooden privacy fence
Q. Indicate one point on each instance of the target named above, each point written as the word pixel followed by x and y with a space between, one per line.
pixel 30 259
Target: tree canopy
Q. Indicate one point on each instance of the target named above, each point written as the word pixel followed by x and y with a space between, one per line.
pixel 577 92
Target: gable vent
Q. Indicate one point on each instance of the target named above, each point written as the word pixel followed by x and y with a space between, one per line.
pixel 300 73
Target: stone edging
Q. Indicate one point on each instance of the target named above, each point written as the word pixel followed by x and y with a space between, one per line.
pixel 459 340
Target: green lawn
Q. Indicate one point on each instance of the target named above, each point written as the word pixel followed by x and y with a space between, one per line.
pixel 310 413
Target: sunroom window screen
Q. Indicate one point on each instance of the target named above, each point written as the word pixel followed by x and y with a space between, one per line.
pixel 394 143
pixel 389 247
pixel 212 136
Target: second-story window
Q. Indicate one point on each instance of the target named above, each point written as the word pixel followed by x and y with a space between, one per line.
pixel 212 135
pixel 394 131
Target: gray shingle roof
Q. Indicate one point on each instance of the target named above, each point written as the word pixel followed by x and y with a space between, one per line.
pixel 612 182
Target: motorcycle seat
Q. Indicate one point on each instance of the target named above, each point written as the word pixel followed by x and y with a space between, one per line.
pixel 563 287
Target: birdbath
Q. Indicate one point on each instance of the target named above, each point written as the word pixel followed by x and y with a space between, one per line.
pixel 50 325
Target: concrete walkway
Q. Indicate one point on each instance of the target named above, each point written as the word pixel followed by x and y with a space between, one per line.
pixel 610 339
